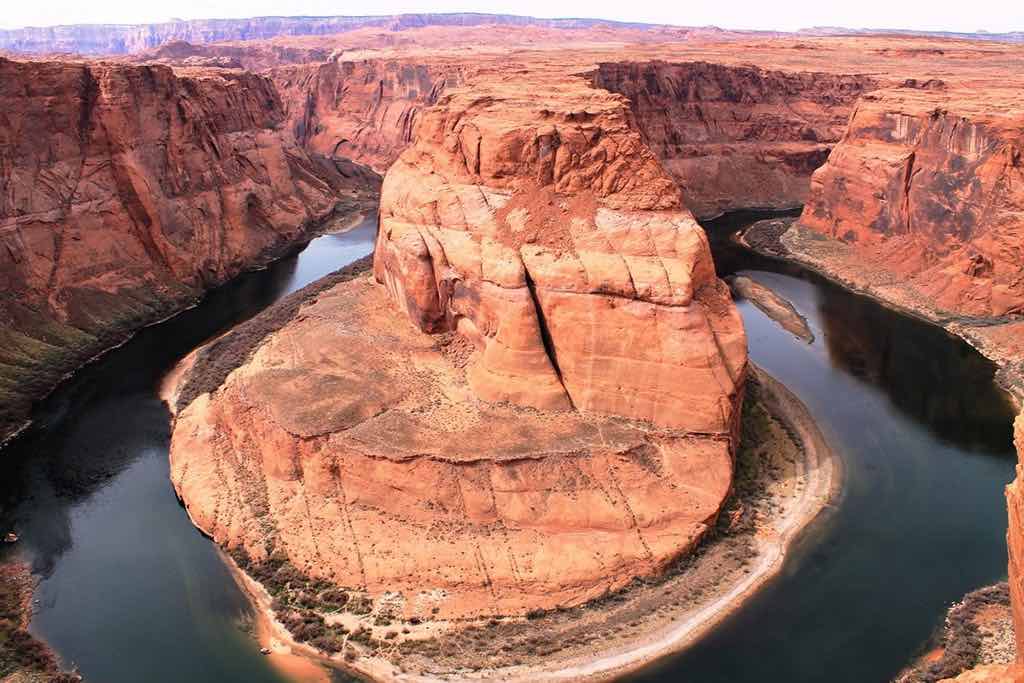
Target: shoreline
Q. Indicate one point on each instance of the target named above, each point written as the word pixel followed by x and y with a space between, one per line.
pixel 821 471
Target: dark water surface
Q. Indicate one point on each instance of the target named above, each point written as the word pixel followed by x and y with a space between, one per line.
pixel 925 438
pixel 130 591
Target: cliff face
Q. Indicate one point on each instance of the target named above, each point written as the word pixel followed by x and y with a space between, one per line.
pixel 928 184
pixel 126 191
pixel 363 110
pixel 736 136
pixel 253 56
pixel 566 424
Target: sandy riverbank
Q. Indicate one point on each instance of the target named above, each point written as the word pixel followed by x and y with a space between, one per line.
pixel 786 475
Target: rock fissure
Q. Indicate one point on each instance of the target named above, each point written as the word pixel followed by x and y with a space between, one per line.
pixel 545 335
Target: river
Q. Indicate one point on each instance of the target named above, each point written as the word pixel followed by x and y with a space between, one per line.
pixel 130 591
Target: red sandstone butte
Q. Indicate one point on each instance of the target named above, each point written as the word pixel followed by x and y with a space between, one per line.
pixel 538 404
pixel 536 223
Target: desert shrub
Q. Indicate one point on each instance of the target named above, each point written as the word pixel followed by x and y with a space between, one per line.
pixel 334 597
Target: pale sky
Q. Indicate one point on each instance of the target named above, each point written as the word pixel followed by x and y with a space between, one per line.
pixel 991 15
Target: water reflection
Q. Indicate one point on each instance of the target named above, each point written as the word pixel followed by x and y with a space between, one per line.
pixel 928 374
pixel 130 590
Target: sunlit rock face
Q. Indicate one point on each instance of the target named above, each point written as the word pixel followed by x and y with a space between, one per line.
pixel 928 184
pixel 540 226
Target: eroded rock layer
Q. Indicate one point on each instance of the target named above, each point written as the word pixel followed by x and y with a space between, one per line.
pixel 363 110
pixel 736 137
pixel 928 183
pixel 125 192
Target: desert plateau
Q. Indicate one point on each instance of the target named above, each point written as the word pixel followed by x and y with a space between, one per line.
pixel 468 346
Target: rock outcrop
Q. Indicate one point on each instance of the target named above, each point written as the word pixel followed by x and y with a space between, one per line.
pixel 928 184
pixel 540 226
pixel 538 404
pixel 736 137
pixel 124 193
pixel 351 445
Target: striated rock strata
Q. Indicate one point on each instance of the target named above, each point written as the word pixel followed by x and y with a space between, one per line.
pixel 350 445
pixel 541 228
pixel 538 405
pixel 102 39
pixel 363 110
pixel 124 193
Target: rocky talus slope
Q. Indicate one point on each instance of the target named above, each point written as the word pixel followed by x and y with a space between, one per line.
pixel 125 192
pixel 538 404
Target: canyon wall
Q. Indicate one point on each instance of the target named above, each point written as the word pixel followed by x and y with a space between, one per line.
pixel 253 56
pixel 363 110
pixel 921 204
pixel 928 184
pixel 736 136
pixel 1015 539
pixel 124 193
